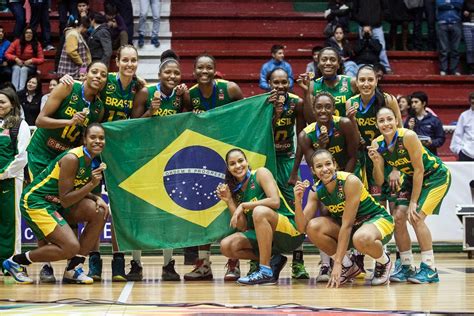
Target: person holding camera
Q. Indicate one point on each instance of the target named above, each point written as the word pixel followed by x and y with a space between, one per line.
pixel 367 49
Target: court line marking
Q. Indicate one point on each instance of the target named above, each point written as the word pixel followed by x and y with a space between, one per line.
pixel 127 289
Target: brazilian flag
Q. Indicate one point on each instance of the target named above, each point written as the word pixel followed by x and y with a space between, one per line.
pixel 162 172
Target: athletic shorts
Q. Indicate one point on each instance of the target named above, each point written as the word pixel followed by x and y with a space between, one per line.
pixel 37 163
pixel 364 171
pixel 42 216
pixel 284 167
pixel 286 237
pixel 433 190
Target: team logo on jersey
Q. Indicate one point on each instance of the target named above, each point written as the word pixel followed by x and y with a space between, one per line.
pixel 186 174
pixel 252 186
pixel 221 94
pixel 74 98
pixel 356 105
pixel 344 87
pixel 196 101
pixel 81 172
pixel 177 102
pixel 401 149
pixel 111 88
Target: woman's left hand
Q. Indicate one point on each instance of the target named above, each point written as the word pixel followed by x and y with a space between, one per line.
pixel 101 205
pixel 335 279
pixel 181 89
pixel 394 180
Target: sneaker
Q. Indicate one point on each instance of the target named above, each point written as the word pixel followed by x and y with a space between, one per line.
pixel 358 259
pixel 298 270
pixel 258 278
pixel 118 270
pixel 141 41
pixel 202 271
pixel 442 73
pixel 47 274
pixel 155 42
pixel 233 270
pixel 457 73
pixel 169 273
pixel 136 271
pixel 76 276
pixel 253 267
pixel 277 262
pixel 382 273
pixel 95 267
pixel 17 271
pixel 424 275
pixel 49 48
pixel 402 273
pixel 349 273
pixel 324 273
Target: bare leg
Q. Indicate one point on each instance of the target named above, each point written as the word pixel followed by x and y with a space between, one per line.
pixel 265 221
pixel 237 246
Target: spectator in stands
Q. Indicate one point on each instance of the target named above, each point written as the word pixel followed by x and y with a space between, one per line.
pixel 155 11
pixel 30 99
pixel 339 42
pixel 117 27
pixel 398 14
pixel 312 66
pixel 462 143
pixel 468 28
pixel 75 56
pixel 367 49
pixel 66 8
pixel 52 84
pixel 404 105
pixel 448 17
pixel 338 13
pixel 26 53
pixel 83 8
pixel 40 16
pixel 5 69
pixel 16 8
pixel 278 56
pixel 125 9
pixel 428 8
pixel 428 127
pixel 369 13
pixel 100 40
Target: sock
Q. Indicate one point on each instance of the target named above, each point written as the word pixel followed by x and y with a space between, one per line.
pixel 406 257
pixel 204 254
pixel 22 258
pixel 346 262
pixel 325 259
pixel 137 255
pixel 94 253
pixel 75 261
pixel 266 270
pixel 298 255
pixel 384 259
pixel 119 255
pixel 427 257
pixel 167 256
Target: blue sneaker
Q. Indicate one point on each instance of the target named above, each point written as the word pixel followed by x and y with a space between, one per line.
pixel 95 267
pixel 18 272
pixel 277 262
pixel 424 275
pixel 402 273
pixel 155 42
pixel 257 278
pixel 141 41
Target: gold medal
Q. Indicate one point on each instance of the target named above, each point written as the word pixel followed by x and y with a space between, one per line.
pixel 86 111
pixel 103 166
pixel 157 94
pixel 323 129
pixel 311 75
pixel 306 183
pixel 281 99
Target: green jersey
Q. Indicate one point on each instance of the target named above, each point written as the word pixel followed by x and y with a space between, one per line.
pixel 341 92
pixel 336 200
pixel 337 141
pixel 399 157
pixel 118 100
pixel 254 192
pixel 219 96
pixel 284 128
pixel 52 142
pixel 44 187
pixel 7 150
pixel 169 104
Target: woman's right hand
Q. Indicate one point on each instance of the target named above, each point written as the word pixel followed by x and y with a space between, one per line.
pixel 96 176
pixel 223 192
pixel 18 61
pixel 299 189
pixel 304 81
pixel 374 155
pixel 155 105
pixel 77 119
pixel 67 80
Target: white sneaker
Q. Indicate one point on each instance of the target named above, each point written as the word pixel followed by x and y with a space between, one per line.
pixel 324 273
pixel 442 73
pixel 202 271
pixel 382 273
pixel 77 276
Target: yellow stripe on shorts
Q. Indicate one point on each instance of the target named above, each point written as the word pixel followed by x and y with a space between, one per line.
pixel 284 226
pixel 435 197
pixel 43 220
pixel 384 226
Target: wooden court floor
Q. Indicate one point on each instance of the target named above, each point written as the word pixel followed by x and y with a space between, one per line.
pixel 454 293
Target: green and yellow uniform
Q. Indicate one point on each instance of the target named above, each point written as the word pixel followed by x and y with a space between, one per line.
pixel 341 92
pixel 436 178
pixel 337 142
pixel 118 100
pixel 219 96
pixel 47 144
pixel 284 135
pixel 369 211
pixel 286 237
pixel 169 104
pixel 40 204
pixel 365 117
